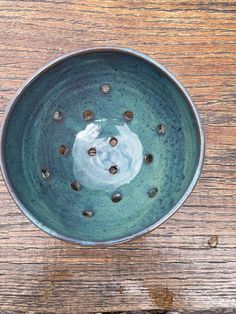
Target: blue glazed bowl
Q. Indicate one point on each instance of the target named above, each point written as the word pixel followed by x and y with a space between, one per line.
pixel 101 146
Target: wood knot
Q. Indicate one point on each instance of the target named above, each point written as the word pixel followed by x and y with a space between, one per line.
pixel 162 297
pixel 213 241
pixel 121 290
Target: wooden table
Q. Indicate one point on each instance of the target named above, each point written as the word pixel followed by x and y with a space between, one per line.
pixel 174 267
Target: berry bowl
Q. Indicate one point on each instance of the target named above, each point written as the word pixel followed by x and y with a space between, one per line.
pixel 101 146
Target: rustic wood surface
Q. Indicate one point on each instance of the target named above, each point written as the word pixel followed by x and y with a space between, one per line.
pixel 179 265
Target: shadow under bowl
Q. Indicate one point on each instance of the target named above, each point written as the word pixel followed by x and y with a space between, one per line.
pixel 101 146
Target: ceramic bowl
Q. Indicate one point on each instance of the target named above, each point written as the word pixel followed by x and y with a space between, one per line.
pixel 101 146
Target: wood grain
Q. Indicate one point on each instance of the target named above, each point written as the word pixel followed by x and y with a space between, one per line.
pixel 173 267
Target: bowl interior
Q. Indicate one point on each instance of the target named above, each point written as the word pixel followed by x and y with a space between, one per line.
pixel 78 103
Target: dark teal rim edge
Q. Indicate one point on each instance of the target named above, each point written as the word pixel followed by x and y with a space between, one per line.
pixel 52 63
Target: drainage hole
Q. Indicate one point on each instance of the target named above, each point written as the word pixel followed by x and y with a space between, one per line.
pixel 128 115
pixel 88 213
pixel 161 129
pixel 88 115
pixel 113 169
pixel 45 174
pixel 58 116
pixel 63 150
pixel 92 151
pixel 105 88
pixel 153 192
pixel 148 158
pixel 113 141
pixel 116 197
pixel 75 186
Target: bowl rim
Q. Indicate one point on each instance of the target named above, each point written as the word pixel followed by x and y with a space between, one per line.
pixel 50 64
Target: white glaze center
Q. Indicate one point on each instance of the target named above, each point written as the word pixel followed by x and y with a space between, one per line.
pixel 93 171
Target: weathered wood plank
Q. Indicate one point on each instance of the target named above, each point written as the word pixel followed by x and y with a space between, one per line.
pixel 173 267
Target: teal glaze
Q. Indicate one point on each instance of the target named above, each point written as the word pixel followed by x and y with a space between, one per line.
pixel 72 84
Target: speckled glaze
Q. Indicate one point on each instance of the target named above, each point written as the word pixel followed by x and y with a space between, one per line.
pixel 31 138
